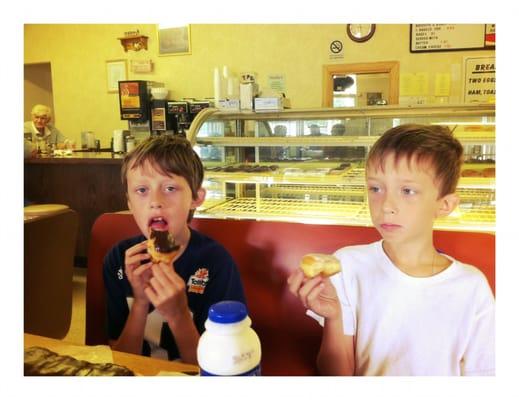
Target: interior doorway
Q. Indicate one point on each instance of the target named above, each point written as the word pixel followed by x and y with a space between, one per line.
pixel 37 87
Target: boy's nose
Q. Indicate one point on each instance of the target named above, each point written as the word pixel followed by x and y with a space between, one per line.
pixel 389 206
pixel 156 200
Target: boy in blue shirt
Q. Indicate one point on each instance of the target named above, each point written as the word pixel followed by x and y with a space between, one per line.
pixel 158 309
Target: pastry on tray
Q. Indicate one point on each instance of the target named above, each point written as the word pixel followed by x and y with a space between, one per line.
pixel 39 361
pixel 489 172
pixel 470 173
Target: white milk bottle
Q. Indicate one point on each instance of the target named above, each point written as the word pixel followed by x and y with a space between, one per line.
pixel 229 347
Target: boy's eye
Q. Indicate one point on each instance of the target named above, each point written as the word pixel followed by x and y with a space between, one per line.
pixel 374 189
pixel 408 191
pixel 170 188
pixel 141 190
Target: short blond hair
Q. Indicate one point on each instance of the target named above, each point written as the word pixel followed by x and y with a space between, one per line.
pixel 434 143
pixel 171 155
pixel 40 109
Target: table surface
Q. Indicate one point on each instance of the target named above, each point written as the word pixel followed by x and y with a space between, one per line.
pixel 141 365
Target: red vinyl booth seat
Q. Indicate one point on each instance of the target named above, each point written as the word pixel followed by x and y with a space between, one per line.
pixel 266 253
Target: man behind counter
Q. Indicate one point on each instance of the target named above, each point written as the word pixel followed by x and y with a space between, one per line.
pixel 40 129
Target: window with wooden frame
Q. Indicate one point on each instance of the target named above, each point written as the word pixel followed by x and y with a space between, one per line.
pixel 361 84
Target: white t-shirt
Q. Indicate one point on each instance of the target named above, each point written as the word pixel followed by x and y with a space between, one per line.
pixel 404 325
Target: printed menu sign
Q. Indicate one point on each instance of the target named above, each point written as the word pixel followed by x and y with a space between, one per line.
pixel 480 80
pixel 449 37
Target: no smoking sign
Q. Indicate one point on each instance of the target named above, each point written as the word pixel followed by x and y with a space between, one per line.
pixel 336 48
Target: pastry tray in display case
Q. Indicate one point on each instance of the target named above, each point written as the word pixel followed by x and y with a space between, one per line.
pixel 309 165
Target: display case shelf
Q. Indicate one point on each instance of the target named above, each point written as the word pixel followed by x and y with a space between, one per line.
pixel 301 141
pixel 289 175
pixel 324 140
pixel 333 212
pixel 291 165
pixel 288 210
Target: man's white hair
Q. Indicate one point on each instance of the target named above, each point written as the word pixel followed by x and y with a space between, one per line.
pixel 40 109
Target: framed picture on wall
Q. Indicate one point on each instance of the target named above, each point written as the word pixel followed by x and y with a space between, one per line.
pixel 174 40
pixel 115 72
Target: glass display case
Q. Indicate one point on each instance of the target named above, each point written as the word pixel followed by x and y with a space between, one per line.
pixel 308 165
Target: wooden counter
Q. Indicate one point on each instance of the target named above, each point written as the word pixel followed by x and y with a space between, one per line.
pixel 87 182
pixel 139 364
pixel 102 157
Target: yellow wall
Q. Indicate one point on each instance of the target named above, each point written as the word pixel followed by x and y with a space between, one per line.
pixel 37 87
pixel 78 53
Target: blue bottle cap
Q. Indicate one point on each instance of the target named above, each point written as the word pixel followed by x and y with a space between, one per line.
pixel 227 312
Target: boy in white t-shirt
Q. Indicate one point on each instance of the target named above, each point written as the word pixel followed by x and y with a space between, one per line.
pixel 399 307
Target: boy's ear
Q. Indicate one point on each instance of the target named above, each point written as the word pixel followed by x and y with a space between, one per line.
pixel 200 197
pixel 447 204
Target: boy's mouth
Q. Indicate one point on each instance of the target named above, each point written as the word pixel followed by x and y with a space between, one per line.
pixel 390 227
pixel 158 224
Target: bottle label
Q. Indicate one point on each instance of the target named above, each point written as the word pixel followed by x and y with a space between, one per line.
pixel 256 371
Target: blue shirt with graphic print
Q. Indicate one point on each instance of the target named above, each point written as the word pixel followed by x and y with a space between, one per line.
pixel 210 275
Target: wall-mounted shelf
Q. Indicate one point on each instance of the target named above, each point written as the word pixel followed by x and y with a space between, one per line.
pixel 134 42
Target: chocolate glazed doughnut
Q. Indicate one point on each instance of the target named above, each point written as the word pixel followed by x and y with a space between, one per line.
pixel 162 246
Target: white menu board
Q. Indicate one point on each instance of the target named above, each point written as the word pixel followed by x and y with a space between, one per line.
pixel 480 80
pixel 447 37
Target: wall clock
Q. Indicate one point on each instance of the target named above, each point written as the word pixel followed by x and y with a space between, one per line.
pixel 360 32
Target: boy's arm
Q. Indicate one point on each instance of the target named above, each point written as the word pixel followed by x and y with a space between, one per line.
pixel 167 292
pixel 479 356
pixel 225 284
pixel 336 354
pixel 132 336
pixel 125 326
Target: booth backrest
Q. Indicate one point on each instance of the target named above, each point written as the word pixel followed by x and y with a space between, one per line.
pixel 49 244
pixel 266 253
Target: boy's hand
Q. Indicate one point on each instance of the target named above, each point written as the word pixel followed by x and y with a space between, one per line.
pixel 138 275
pixel 316 294
pixel 167 292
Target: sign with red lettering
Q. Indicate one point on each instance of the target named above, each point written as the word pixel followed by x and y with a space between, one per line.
pixel 480 80
pixel 490 35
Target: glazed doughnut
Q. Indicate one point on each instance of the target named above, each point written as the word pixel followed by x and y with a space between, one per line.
pixel 315 263
pixel 162 247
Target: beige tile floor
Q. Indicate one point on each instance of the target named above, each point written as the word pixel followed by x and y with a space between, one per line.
pixel 76 333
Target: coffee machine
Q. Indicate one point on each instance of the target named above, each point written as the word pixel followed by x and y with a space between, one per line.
pixel 134 106
pixel 168 116
pixel 174 117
